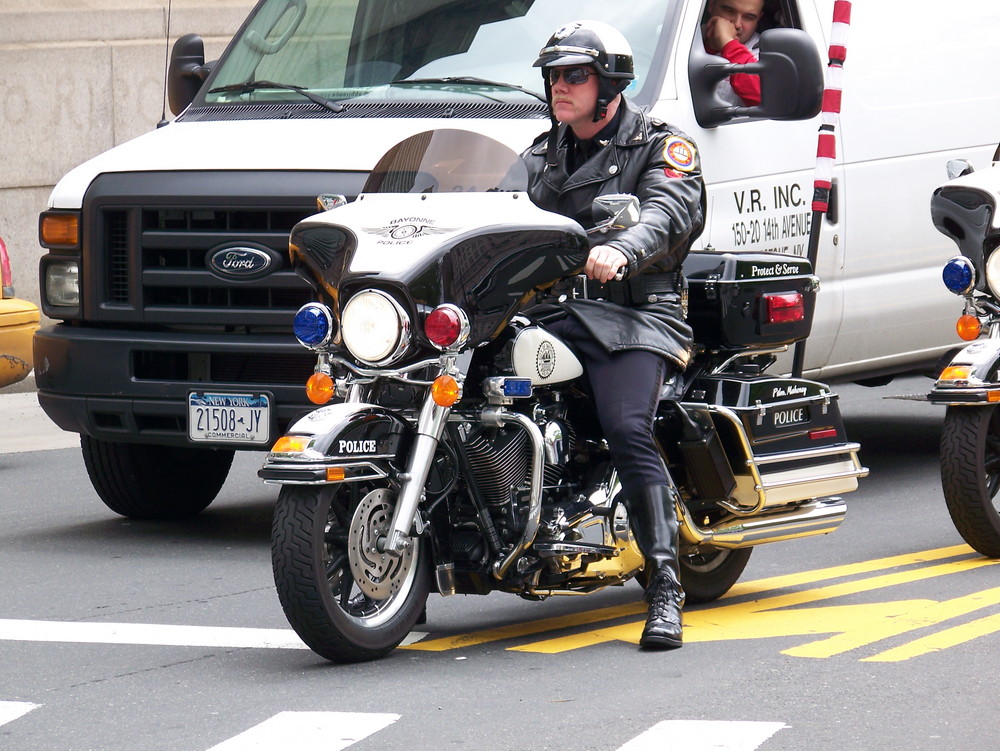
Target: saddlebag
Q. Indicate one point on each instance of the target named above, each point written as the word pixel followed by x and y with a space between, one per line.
pixel 749 299
pixel 784 439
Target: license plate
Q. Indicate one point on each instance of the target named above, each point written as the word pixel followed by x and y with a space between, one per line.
pixel 229 418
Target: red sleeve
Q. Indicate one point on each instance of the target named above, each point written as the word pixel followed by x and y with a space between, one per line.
pixel 746 86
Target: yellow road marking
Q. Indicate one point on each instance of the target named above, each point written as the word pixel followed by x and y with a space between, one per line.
pixel 851 626
pixel 856 625
pixel 517 630
pixel 949 637
pixel 850 569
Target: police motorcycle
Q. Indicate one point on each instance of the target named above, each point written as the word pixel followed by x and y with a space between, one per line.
pixel 965 209
pixel 458 452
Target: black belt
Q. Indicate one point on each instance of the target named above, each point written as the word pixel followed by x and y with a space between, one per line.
pixel 645 288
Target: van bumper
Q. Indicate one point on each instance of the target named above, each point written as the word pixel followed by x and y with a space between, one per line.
pixel 128 386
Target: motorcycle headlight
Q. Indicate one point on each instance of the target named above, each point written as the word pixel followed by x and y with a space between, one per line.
pixel 375 328
pixel 993 272
pixel 959 275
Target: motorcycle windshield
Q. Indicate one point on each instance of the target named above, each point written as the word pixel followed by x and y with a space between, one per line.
pixel 443 218
pixel 448 161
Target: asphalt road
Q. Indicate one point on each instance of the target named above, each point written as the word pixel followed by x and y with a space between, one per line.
pixel 117 634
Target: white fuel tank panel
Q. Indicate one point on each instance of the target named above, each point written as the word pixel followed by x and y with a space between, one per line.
pixel 543 358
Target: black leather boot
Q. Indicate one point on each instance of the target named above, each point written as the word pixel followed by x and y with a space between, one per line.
pixel 654 524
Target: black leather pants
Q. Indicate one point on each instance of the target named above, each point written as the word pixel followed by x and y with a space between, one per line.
pixel 626 387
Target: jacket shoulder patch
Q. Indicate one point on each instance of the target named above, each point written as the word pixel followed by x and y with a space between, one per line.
pixel 679 153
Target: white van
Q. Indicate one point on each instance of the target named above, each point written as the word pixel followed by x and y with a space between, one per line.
pixel 167 260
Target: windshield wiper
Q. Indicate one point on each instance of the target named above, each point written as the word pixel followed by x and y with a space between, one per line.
pixel 472 79
pixel 248 86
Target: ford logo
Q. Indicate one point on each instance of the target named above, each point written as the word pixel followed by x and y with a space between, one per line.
pixel 240 262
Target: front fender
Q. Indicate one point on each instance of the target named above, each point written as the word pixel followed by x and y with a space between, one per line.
pixel 971 377
pixel 339 443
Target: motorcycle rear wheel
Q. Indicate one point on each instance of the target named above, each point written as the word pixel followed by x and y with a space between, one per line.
pixel 315 533
pixel 707 576
pixel 970 474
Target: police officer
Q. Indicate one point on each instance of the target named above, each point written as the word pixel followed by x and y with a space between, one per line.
pixel 630 333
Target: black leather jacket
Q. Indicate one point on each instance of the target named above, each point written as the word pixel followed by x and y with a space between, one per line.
pixel 659 165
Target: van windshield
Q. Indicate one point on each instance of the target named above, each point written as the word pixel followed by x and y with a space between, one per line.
pixel 413 51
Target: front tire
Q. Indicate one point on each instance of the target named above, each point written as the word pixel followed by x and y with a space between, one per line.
pixel 143 481
pixel 321 548
pixel 970 474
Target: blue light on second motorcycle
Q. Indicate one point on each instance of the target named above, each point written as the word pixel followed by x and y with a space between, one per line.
pixel 959 275
pixel 313 325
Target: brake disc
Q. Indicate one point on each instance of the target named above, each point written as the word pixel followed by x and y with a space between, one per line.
pixel 379 575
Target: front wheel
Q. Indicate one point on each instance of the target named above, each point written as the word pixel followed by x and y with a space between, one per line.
pixel 155 482
pixel 970 474
pixel 345 600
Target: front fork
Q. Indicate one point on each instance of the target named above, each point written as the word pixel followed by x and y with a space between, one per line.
pixel 430 427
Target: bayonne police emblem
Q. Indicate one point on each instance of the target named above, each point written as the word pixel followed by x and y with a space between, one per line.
pixel 678 153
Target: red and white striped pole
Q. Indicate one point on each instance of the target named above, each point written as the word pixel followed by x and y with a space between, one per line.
pixel 826 150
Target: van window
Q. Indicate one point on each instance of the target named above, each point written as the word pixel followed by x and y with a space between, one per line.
pixel 774 14
pixel 350 50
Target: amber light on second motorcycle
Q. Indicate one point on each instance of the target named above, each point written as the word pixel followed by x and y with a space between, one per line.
pixel 968 327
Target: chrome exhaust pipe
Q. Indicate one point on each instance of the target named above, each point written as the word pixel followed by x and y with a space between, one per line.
pixel 817 517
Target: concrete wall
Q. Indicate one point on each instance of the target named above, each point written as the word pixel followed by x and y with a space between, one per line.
pixel 78 77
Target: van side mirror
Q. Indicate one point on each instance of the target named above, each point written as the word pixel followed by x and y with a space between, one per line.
pixel 187 71
pixel 791 80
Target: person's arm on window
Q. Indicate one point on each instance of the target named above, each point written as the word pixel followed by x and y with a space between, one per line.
pixel 746 86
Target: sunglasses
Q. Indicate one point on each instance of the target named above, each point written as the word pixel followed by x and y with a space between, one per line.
pixel 572 76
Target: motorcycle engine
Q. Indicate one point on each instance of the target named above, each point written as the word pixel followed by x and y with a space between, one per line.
pixel 500 460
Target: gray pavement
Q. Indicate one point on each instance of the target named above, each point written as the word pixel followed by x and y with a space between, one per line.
pixel 23 424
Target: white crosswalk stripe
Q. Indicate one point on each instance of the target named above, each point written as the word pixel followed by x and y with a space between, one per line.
pixel 11 710
pixel 335 731
pixel 308 731
pixel 154 634
pixel 698 735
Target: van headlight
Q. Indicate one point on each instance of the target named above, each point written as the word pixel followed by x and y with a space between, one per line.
pixel 62 283
pixel 374 327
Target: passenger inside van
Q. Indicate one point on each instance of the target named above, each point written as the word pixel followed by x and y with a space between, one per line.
pixel 732 29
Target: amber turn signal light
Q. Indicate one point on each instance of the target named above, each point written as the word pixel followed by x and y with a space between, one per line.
pixel 955 373
pixel 319 388
pixel 968 327
pixel 290 444
pixel 445 391
pixel 60 229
